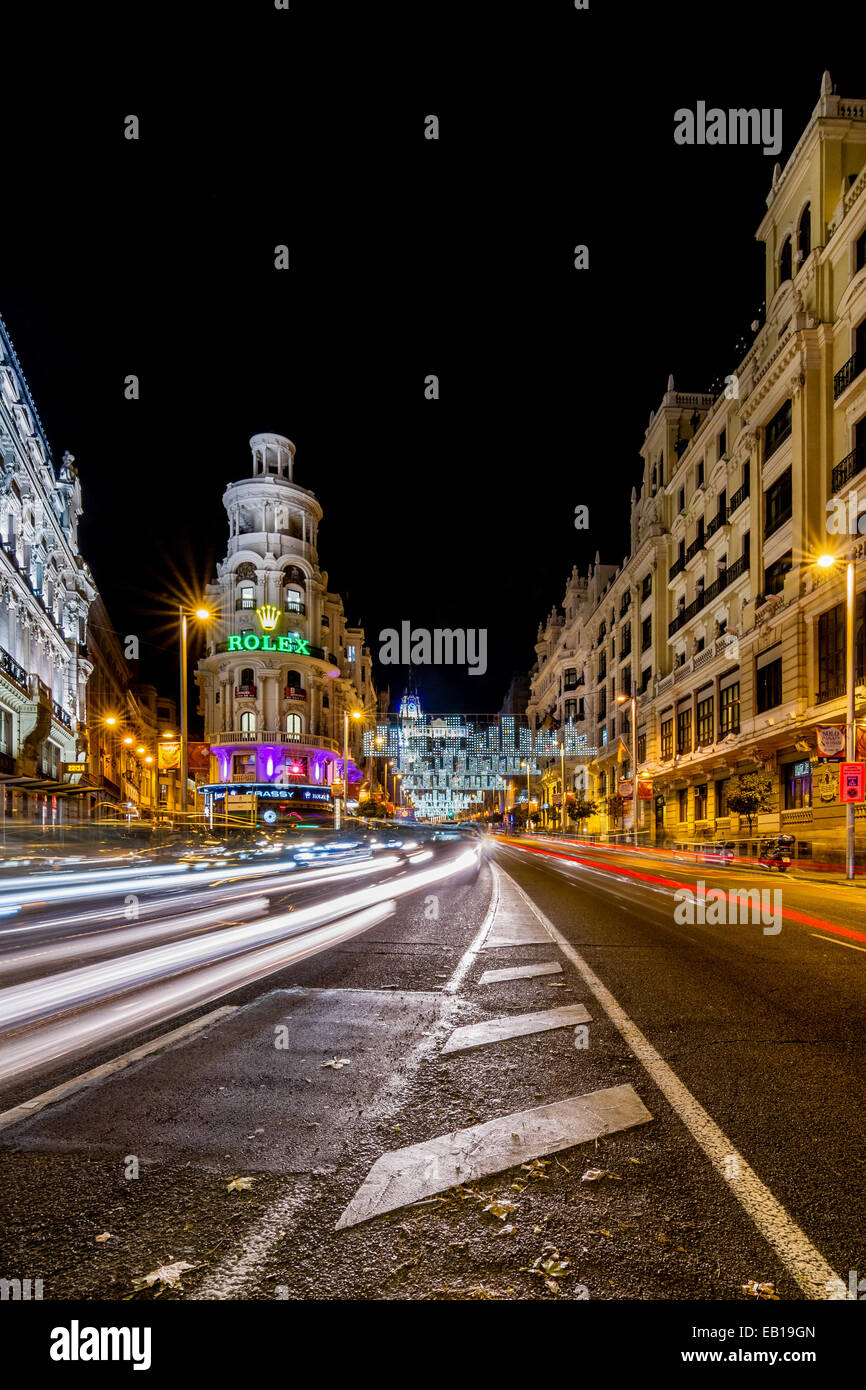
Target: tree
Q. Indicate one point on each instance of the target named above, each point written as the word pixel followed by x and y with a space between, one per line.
pixel 614 806
pixel 581 809
pixel 750 793
pixel 372 809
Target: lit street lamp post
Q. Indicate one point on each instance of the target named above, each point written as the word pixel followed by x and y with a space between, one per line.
pixel 632 700
pixel 827 561
pixel 202 614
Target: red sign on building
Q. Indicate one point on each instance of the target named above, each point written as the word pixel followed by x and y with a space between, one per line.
pixel 852 782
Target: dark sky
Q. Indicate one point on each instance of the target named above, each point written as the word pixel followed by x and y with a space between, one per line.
pixel 408 257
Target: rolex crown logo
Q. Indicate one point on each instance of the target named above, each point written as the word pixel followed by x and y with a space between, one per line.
pixel 268 616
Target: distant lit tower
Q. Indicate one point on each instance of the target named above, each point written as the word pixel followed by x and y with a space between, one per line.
pixel 283 664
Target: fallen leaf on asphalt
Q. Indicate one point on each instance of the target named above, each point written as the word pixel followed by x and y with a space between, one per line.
pixel 168 1275
pixel 536 1168
pixel 597 1174
pixel 337 1063
pixel 500 1209
pixel 100 1240
pixel 760 1290
pixel 552 1285
pixel 240 1184
pixel 556 1268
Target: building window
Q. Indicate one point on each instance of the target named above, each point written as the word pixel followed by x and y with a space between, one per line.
pixel 722 444
pixel 646 586
pixel 860 252
pixel 645 678
pixel 646 634
pixel 248 676
pixel 5 731
pixel 248 721
pixel 246 596
pixel 722 796
pixel 777 504
pixel 786 260
pixel 778 429
pixel 602 665
pixel 294 601
pixel 684 730
pixel 831 649
pixel 681 500
pixel 294 680
pixel 804 234
pixel 570 710
pixel 641 748
pixel 625 645
pixel 683 804
pixel 705 722
pixel 701 801
pixel 602 703
pixel 350 653
pixel 774 575
pixel 797 778
pixel 667 738
pixel 293 725
pixel 768 685
pixel 699 473
pixel 729 710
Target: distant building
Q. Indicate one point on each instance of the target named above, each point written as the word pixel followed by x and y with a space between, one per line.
pixel 283 665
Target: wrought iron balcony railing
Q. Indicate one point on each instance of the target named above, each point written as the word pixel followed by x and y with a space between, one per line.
pixel 843 378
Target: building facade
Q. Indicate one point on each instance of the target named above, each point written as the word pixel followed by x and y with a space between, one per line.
pixel 283 666
pixel 720 621
pixel 46 591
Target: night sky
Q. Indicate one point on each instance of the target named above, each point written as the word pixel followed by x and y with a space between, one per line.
pixel 408 257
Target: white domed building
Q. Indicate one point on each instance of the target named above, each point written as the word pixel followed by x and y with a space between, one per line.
pixel 283 666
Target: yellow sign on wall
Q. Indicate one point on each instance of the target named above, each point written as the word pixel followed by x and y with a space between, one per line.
pixel 168 756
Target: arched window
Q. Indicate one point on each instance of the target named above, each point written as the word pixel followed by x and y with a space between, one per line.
pixel 246 597
pixel 294 680
pixel 248 676
pixel 294 602
pixel 804 234
pixel 294 576
pixel 248 722
pixel 293 725
pixel 785 262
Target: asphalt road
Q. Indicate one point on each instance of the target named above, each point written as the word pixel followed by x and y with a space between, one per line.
pixel 311 1074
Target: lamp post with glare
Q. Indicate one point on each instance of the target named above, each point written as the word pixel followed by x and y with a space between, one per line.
pixel 632 700
pixel 826 562
pixel 203 615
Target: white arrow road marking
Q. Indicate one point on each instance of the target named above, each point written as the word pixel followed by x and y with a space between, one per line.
pixel 404 1176
pixel 809 1268
pixel 514 1026
pixel 520 972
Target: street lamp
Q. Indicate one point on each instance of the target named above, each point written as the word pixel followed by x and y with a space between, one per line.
pixel 632 700
pixel 355 714
pixel 202 614
pixel 826 562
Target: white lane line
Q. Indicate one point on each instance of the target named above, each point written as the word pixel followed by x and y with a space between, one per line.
pixel 834 941
pixel 407 1175
pixel 514 1026
pixel 521 972
pixel 75 1083
pixel 478 941
pixel 229 1279
pixel 809 1268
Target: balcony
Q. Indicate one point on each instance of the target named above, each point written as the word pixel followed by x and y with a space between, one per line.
pixel 740 496
pixel 244 603
pixel 294 606
pixel 273 736
pixel 718 521
pixel 677 568
pixel 292 692
pixel 843 378
pixel 776 520
pixel 777 439
pixel 61 715
pixel 697 545
pixel 850 466
pixel 12 671
pixel 247 691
